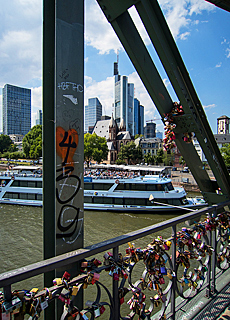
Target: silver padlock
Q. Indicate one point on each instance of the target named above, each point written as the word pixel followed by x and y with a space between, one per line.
pixel 97 312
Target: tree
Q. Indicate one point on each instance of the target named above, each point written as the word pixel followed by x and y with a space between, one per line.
pixel 130 152
pixel 168 158
pixel 225 152
pixel 6 144
pixel 150 159
pixel 95 148
pixel 182 161
pixel 32 143
pixel 138 136
pixel 159 156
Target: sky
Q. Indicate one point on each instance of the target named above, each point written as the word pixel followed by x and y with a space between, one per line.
pixel 200 29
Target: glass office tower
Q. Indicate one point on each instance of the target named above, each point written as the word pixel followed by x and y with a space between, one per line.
pixel 16 110
pixel 138 117
pixel 93 113
pixel 123 100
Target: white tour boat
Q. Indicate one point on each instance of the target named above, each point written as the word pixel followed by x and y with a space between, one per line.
pixel 23 186
pixel 148 194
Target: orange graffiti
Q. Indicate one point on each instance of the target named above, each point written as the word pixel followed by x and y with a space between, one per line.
pixel 66 144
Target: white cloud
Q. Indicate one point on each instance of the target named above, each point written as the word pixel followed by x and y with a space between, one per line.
pixel 103 90
pixel 184 35
pixel 210 106
pixel 98 32
pixel 179 13
pixel 20 41
pixel 228 52
pixel 218 65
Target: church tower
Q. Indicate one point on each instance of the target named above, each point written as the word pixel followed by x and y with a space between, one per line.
pixel 112 129
pixel 122 126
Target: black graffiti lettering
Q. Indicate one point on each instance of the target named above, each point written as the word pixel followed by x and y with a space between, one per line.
pixel 68 145
pixel 65 174
pixel 78 184
pixel 66 228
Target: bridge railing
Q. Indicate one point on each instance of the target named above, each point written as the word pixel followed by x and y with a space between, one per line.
pixel 182 266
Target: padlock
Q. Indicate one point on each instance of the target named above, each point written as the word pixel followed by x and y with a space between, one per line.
pixel 10 306
pixel 74 290
pixel 115 275
pixel 57 281
pixel 97 312
pixel 124 274
pixel 84 264
pixel 95 278
pixel 66 276
pixel 44 304
pixel 163 270
pixel 84 316
pixel 102 309
pixel 161 280
pixel 65 293
pixel 34 290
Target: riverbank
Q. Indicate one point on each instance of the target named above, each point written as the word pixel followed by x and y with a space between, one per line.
pixel 186 180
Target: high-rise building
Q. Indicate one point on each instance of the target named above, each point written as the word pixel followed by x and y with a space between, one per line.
pixel 159 135
pixel 123 100
pixel 150 130
pixel 223 125
pixel 138 117
pixel 16 110
pixel 93 113
pixel 38 119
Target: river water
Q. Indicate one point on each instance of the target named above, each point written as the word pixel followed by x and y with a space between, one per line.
pixel 21 235
pixel 21 231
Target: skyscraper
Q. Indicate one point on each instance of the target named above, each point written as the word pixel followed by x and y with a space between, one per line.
pixel 38 119
pixel 123 100
pixel 150 130
pixel 223 125
pixel 138 117
pixel 93 113
pixel 16 110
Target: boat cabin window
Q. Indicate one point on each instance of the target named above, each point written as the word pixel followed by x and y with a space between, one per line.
pixel 97 186
pixel 26 196
pixel 141 187
pixel 30 184
pixel 134 202
pixel 169 186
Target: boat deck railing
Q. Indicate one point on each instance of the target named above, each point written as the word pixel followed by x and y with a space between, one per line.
pixel 13 174
pixel 181 275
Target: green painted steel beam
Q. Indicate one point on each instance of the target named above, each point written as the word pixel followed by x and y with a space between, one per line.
pixel 223 4
pixel 194 119
pixel 48 113
pixel 168 52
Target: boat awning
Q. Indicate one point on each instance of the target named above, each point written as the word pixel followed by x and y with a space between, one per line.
pixel 29 168
pixel 130 167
